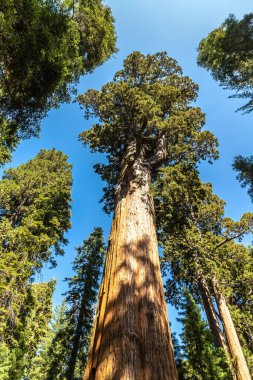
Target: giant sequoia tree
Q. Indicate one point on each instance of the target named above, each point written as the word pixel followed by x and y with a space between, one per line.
pixel 45 46
pixel 145 121
pixel 227 52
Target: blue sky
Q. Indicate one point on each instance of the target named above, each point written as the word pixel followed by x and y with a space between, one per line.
pixel 149 26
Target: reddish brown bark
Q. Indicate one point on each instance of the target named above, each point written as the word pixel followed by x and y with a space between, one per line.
pixel 212 318
pixel 213 321
pixel 131 337
pixel 231 335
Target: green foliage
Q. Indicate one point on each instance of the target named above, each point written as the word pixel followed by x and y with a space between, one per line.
pixel 51 351
pixel 34 215
pixel 193 229
pixel 80 298
pixel 178 192
pixel 244 167
pixel 6 360
pixel 148 106
pixel 228 53
pixel 201 359
pixel 45 46
pixel 34 318
pixel 198 242
pixel 64 353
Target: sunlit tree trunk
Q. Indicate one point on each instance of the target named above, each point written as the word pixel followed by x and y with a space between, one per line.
pixel 231 335
pixel 131 337
pixel 213 321
pixel 211 314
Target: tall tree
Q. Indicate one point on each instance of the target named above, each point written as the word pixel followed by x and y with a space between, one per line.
pixel 145 121
pixel 45 46
pixel 201 252
pixel 80 298
pixel 227 52
pixel 34 216
pixel 64 353
pixel 202 360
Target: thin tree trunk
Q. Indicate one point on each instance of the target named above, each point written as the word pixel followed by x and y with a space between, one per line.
pixel 131 337
pixel 76 340
pixel 213 321
pixel 231 335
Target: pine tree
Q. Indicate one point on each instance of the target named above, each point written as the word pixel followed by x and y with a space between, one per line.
pixel 45 46
pixel 145 121
pixel 202 360
pixel 34 215
pixel 228 53
pixel 63 354
pixel 80 298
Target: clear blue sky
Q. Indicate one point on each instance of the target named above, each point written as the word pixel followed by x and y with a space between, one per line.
pixel 149 26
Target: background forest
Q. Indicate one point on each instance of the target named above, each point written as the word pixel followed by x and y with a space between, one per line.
pixel 146 26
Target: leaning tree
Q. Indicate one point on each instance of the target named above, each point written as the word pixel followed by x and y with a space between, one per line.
pixel 145 120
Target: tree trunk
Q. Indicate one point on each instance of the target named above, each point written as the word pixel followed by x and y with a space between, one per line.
pixel 212 318
pixel 131 337
pixel 219 339
pixel 76 340
pixel 231 335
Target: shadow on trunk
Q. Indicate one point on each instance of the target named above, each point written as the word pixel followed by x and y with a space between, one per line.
pixel 133 332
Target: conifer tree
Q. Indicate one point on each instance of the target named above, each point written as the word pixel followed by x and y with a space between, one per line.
pixel 34 215
pixel 35 315
pixel 63 354
pixel 45 46
pixel 202 360
pixel 80 298
pixel 227 52
pixel 50 361
pixel 244 167
pixel 202 254
pixel 145 121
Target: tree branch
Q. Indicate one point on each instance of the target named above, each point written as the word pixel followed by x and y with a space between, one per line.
pixel 229 239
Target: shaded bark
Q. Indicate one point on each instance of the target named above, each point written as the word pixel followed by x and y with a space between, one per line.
pixel 231 334
pixel 131 337
pixel 76 340
pixel 212 318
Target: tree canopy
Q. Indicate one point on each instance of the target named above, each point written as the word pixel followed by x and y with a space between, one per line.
pixel 227 52
pixel 34 216
pixel 147 105
pixel 244 167
pixel 45 46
